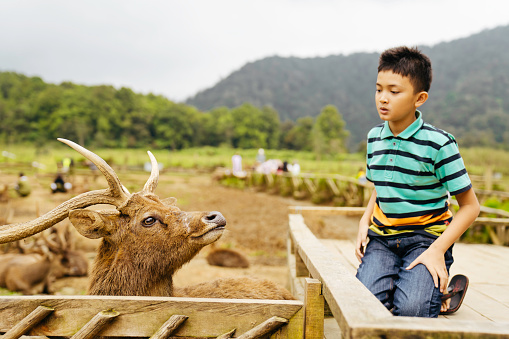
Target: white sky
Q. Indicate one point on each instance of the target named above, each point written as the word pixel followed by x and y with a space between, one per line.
pixel 179 47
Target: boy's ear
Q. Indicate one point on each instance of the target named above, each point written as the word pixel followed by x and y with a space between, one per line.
pixel 421 98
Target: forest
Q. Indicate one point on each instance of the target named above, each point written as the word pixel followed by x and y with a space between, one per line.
pixel 324 105
pixel 469 96
pixel 36 112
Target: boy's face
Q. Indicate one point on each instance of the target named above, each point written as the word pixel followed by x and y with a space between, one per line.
pixel 396 101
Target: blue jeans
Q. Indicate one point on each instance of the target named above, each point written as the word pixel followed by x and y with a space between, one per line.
pixel 406 292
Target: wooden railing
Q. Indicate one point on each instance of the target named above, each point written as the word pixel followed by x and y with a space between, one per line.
pixel 319 188
pixel 158 317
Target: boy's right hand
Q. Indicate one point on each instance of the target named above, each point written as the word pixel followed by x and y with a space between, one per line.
pixel 362 237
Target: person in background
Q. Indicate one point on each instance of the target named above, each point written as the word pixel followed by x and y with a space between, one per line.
pixel 59 185
pixel 236 164
pixel 295 170
pixel 361 176
pixel 260 156
pixel 23 187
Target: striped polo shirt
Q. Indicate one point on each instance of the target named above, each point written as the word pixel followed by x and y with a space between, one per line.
pixel 413 174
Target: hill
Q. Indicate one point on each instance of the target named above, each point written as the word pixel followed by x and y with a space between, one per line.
pixel 469 96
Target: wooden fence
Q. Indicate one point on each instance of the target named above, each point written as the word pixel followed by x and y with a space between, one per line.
pixel 332 189
pixel 160 317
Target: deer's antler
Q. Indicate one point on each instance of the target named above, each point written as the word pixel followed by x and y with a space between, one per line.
pixel 151 184
pixel 115 195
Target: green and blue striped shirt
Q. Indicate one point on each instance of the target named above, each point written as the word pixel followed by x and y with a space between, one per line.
pixel 413 174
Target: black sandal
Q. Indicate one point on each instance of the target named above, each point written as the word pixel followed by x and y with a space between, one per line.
pixel 456 292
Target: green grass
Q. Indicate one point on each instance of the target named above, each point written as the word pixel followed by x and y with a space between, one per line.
pixel 477 160
pixel 204 158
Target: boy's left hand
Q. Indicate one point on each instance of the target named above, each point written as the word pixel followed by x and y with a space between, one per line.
pixel 434 261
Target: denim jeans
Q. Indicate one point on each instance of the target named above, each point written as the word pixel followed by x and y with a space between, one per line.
pixel 405 292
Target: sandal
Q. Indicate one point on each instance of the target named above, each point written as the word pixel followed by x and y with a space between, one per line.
pixel 456 292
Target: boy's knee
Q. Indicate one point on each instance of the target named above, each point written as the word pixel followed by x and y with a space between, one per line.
pixel 417 306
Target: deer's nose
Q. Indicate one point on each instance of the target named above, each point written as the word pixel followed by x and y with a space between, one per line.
pixel 216 218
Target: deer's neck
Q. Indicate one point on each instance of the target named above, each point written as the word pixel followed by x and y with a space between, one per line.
pixel 117 273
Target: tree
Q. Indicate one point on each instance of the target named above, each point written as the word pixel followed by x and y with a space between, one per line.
pixel 329 133
pixel 299 137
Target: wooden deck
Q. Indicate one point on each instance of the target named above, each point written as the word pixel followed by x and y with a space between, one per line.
pixel 356 313
pixel 486 266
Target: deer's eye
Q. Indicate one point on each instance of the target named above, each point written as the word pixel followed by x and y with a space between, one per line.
pixel 150 221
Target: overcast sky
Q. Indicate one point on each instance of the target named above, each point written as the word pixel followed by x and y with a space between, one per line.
pixel 177 48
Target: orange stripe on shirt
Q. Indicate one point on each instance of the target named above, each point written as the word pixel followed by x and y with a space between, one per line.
pixel 420 220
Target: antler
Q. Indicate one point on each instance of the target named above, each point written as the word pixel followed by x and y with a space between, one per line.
pixel 151 184
pixel 115 195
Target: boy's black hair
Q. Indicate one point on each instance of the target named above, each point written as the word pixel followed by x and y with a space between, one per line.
pixel 408 62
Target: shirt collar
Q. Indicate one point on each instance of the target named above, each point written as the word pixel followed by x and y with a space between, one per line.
pixel 408 132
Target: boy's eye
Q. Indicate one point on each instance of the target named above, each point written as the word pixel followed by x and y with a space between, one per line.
pixel 394 92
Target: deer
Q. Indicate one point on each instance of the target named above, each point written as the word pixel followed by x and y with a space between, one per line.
pixel 144 240
pixel 38 263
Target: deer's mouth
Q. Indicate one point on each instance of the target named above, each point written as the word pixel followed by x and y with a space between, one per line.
pixel 210 229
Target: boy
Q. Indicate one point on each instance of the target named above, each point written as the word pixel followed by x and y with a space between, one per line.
pixel 413 166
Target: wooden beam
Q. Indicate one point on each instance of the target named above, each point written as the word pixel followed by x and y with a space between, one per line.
pixel 169 326
pixel 268 326
pixel 28 322
pixel 313 309
pixel 96 325
pixel 143 316
pixel 310 185
pixel 333 187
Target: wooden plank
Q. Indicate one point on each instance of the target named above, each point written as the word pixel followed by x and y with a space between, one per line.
pixel 142 316
pixel 485 209
pixel 486 305
pixel 170 326
pixel 334 247
pixel 483 263
pixel 267 327
pixel 331 329
pixel 92 328
pixel 325 210
pixel 333 187
pixel 413 327
pixel 310 185
pixel 348 299
pixel 28 322
pixel 313 325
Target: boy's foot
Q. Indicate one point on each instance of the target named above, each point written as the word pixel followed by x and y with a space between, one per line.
pixel 455 292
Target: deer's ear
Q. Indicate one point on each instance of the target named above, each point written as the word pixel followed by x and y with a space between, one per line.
pixel 169 201
pixel 91 224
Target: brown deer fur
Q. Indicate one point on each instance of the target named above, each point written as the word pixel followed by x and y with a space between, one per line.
pixel 26 273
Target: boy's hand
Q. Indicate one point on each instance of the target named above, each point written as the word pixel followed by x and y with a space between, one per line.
pixel 434 261
pixel 362 237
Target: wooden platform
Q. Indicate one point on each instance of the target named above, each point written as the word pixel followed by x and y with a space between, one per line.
pixel 356 313
pixel 487 267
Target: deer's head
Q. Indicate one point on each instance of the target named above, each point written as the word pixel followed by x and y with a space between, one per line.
pixel 145 240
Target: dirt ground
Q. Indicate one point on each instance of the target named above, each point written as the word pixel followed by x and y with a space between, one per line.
pixel 256 222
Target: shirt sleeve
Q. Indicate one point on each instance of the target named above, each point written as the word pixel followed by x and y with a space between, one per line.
pixel 450 169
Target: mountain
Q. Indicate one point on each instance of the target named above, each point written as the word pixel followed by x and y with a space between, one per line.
pixel 469 96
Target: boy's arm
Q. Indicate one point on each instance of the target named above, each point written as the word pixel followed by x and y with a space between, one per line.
pixel 433 257
pixel 364 224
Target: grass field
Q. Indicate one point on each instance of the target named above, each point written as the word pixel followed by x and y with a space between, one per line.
pixel 479 161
